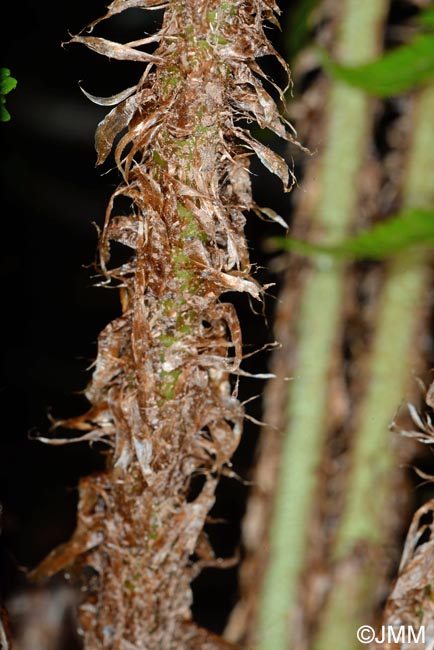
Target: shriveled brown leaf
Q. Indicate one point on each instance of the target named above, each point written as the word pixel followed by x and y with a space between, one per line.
pixel 118 6
pixel 410 603
pixel 115 122
pixel 113 100
pixel 271 160
pixel 115 50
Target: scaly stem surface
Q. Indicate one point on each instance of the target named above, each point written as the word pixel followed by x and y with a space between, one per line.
pixel 161 394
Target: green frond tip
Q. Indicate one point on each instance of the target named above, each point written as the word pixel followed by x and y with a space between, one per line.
pixel 7 83
pixel 398 71
pixel 399 233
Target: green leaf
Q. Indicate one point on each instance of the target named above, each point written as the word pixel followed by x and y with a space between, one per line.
pixel 426 18
pixel 7 83
pixel 5 116
pixel 401 232
pixel 298 26
pixel 396 72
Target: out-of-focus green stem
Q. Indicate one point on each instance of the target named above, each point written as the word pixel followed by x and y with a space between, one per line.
pixel 369 487
pixel 347 127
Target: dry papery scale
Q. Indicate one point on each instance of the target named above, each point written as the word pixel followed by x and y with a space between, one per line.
pixel 160 396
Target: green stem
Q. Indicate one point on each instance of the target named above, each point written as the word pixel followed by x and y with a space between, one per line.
pixel 318 326
pixel 374 459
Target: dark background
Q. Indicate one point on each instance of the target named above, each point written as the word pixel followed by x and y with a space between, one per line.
pixel 51 195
